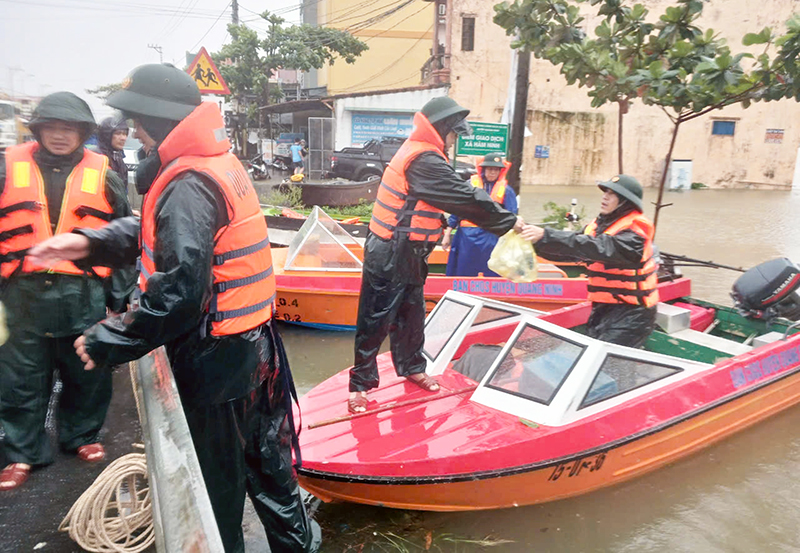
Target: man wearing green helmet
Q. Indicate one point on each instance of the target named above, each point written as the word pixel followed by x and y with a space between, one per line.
pixel 418 186
pixel 52 187
pixel 618 250
pixel 206 293
pixel 472 246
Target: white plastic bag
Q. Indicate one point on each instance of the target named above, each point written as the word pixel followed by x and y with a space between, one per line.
pixel 514 258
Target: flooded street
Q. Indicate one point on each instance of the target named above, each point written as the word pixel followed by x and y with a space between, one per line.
pixel 738 496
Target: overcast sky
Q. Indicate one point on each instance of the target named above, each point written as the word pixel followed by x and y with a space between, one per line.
pixel 49 45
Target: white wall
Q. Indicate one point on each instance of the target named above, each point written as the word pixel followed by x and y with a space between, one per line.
pixel 399 102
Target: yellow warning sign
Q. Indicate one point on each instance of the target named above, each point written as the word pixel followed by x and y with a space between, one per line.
pixel 206 75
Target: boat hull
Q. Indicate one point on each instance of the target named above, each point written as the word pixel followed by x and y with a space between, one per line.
pixel 565 477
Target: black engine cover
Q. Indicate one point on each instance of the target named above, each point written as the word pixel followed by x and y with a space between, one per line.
pixel 766 284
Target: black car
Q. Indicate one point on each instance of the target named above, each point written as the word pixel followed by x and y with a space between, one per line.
pixel 361 163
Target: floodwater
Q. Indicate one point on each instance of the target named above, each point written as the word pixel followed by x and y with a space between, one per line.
pixel 738 496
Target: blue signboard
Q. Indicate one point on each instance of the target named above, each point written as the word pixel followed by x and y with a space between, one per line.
pixel 542 152
pixel 367 126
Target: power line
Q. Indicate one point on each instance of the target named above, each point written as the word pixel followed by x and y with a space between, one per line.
pixel 115 9
pixel 398 23
pixel 212 26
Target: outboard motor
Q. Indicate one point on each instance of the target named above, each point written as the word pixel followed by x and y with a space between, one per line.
pixel 769 290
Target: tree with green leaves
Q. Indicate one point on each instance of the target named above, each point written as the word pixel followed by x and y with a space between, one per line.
pixel 672 64
pixel 248 61
pixel 104 91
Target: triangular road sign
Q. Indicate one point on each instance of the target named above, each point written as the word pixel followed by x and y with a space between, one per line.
pixel 206 75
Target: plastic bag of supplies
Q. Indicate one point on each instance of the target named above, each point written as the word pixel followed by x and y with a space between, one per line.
pixel 514 258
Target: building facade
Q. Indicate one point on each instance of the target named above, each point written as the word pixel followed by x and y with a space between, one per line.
pixel 573 143
pixel 399 35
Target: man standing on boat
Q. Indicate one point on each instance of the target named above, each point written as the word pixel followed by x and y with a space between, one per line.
pixel 207 290
pixel 418 186
pixel 52 187
pixel 618 249
pixel 472 246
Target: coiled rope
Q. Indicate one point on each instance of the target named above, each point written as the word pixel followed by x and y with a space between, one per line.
pixel 115 514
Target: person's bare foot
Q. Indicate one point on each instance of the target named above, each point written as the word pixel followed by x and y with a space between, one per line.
pixel 357 402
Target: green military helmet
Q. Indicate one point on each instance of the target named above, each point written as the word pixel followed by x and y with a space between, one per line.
pixel 493 160
pixel 157 90
pixel 63 106
pixel 626 187
pixel 442 107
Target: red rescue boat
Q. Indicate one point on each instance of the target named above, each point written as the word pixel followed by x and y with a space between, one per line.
pixel 532 410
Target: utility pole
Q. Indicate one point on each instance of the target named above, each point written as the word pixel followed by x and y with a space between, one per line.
pixel 11 71
pixel 235 12
pixel 158 49
pixel 518 118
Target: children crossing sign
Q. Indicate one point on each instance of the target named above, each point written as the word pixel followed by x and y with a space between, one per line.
pixel 206 75
pixel 486 138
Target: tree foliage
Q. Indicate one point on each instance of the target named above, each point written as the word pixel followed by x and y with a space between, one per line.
pixel 670 63
pixel 104 91
pixel 304 47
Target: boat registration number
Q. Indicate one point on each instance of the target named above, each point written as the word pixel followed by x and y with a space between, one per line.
pixel 574 468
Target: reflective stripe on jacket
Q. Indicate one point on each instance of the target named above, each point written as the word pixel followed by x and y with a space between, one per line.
pixel 498 193
pixel 24 214
pixel 243 279
pixel 631 286
pixel 395 209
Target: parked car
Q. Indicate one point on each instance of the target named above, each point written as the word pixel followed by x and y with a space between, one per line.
pixel 360 163
pixel 131 151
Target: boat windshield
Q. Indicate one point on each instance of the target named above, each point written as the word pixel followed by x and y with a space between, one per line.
pixel 536 365
pixel 619 374
pixel 322 245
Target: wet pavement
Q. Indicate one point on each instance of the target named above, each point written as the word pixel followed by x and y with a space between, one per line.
pixel 30 515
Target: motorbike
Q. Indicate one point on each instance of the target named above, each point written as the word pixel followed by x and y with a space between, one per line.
pixel 257 168
pixel 281 163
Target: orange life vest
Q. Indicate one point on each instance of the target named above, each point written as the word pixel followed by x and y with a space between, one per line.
pixel 243 280
pixel 631 286
pixel 395 209
pixel 498 190
pixel 24 214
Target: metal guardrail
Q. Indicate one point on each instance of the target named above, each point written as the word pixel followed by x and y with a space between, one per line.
pixel 182 513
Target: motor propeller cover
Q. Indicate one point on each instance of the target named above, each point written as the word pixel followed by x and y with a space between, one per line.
pixel 769 290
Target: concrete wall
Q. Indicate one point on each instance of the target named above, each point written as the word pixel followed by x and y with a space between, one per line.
pixel 400 102
pixel 583 140
pixel 398 45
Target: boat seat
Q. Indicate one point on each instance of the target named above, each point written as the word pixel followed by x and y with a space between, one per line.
pixel 718 343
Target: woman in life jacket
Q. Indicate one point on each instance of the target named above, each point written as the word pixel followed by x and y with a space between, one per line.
pixel 617 248
pixel 471 246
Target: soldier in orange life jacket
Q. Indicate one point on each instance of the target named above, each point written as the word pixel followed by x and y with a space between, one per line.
pixel 618 249
pixel 418 186
pixel 472 246
pixel 54 186
pixel 206 293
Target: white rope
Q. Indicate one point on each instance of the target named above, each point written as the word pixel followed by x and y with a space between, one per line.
pixel 114 515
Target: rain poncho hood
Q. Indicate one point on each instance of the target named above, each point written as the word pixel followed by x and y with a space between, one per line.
pixel 63 106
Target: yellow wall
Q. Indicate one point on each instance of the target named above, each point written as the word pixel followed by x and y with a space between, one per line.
pixel 398 45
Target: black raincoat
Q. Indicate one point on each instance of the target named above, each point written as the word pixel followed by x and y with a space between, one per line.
pixel 623 324
pixel 116 158
pixel 48 311
pixel 392 301
pixel 234 389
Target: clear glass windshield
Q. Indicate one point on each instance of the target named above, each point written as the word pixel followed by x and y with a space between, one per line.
pixel 322 245
pixel 442 324
pixel 536 366
pixel 619 374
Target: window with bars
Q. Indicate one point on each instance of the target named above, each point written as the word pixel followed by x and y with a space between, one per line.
pixel 467 34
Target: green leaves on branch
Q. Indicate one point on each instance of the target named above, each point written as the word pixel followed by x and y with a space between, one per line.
pixel 255 57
